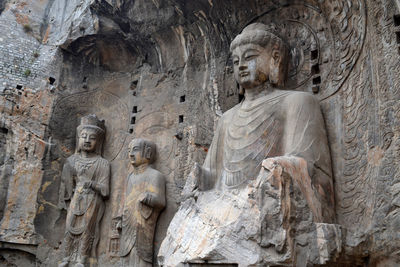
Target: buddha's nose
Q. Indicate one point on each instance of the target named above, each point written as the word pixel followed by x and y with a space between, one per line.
pixel 242 67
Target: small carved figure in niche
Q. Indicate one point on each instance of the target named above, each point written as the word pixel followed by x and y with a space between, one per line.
pixel 268 123
pixel 85 181
pixel 144 199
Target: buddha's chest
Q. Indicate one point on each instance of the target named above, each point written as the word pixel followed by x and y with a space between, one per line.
pixel 254 129
pixel 251 136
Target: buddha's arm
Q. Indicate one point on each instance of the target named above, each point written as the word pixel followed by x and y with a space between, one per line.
pixel 304 132
pixel 305 137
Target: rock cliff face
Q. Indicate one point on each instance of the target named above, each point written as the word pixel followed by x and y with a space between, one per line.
pixel 162 70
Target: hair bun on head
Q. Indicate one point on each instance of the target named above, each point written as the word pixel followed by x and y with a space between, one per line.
pixel 258 33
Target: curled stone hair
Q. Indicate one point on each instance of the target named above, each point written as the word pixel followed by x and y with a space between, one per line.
pixel 261 34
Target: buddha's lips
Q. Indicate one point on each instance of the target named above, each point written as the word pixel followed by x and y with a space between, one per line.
pixel 243 74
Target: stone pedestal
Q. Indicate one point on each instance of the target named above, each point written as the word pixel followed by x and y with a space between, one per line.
pixel 262 222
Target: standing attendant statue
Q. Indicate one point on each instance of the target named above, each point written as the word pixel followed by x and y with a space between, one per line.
pixel 144 199
pixel 85 182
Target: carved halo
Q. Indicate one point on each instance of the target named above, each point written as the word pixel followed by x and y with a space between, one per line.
pixel 69 110
pixel 325 41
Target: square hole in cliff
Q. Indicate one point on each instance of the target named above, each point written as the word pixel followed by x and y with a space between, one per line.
pixel 314 54
pixel 182 99
pixel 180 118
pixel 52 80
pixel 396 20
pixel 134 84
pixel 316 80
pixel 315 69
pixel 134 109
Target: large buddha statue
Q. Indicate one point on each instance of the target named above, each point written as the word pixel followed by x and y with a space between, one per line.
pixel 267 174
pixel 269 122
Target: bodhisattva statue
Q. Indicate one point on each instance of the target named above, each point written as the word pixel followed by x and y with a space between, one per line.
pixel 267 171
pixel 144 199
pixel 85 182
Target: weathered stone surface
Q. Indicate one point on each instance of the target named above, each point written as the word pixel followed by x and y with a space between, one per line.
pixel 85 184
pixel 269 122
pixel 148 55
pixel 266 222
pixel 143 200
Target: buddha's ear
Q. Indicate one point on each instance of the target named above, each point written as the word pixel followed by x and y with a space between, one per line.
pixel 275 74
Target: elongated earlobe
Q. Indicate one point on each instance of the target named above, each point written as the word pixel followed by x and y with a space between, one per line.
pixel 274 70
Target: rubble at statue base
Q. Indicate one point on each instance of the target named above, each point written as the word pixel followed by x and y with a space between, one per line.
pixel 266 221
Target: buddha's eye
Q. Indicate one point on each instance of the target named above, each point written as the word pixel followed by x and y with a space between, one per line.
pixel 250 56
pixel 235 61
pixel 83 135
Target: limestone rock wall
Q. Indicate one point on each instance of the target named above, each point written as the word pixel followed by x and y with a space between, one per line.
pixel 161 70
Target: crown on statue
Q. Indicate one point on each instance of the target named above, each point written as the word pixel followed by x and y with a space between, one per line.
pixel 93 122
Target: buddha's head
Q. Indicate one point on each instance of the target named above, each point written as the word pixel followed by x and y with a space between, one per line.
pixel 90 134
pixel 141 152
pixel 259 55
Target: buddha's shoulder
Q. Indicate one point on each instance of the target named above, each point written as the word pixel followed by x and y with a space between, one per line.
pixel 298 98
pixel 230 112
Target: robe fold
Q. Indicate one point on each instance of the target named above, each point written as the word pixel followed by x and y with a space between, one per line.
pixel 139 220
pixel 87 204
pixel 283 123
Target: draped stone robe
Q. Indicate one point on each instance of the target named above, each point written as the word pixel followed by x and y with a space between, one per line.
pixel 138 219
pixel 87 204
pixel 278 124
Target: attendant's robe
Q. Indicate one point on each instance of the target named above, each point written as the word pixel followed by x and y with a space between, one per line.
pixel 87 204
pixel 284 123
pixel 138 219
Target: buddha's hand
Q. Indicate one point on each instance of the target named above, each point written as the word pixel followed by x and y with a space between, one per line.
pixel 192 182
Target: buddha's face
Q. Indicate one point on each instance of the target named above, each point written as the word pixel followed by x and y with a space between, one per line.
pixel 136 154
pixel 88 139
pixel 251 64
